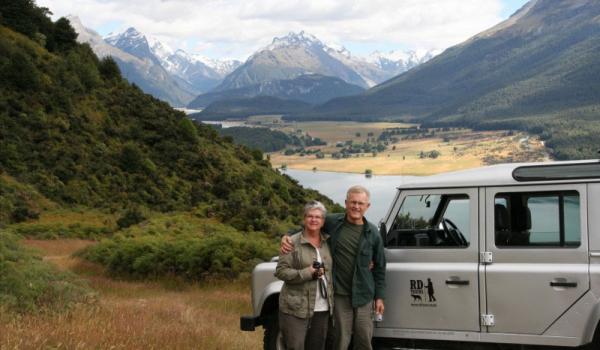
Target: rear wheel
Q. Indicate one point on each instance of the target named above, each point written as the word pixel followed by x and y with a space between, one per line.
pixel 272 339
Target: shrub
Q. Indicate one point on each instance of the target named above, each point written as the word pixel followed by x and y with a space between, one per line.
pixel 60 230
pixel 23 213
pixel 218 251
pixel 130 218
pixel 28 284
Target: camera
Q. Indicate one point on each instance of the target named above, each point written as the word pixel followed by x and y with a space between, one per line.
pixel 317 266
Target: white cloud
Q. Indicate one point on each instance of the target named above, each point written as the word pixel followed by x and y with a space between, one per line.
pixel 238 27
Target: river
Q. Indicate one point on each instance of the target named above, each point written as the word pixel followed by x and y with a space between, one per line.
pixel 334 186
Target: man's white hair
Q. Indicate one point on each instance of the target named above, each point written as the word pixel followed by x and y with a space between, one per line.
pixel 358 189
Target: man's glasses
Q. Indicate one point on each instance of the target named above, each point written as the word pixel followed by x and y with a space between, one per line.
pixel 357 203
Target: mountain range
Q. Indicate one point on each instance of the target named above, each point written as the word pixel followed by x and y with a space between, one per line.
pixel 310 88
pixel 179 77
pixel 143 70
pixel 170 75
pixel 537 71
pixel 299 54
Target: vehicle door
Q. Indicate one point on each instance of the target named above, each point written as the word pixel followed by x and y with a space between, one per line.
pixel 539 251
pixel 432 253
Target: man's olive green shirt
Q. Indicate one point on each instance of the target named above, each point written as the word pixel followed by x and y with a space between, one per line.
pixel 345 257
pixel 367 284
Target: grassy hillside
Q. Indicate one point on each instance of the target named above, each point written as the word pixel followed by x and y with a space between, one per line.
pixel 75 137
pixel 81 135
pixel 126 314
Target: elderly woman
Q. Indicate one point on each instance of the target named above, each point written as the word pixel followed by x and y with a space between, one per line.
pixel 306 299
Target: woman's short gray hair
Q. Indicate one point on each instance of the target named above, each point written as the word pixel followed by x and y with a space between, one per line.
pixel 315 205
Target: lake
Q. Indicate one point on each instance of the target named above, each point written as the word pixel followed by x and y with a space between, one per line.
pixel 229 123
pixel 334 185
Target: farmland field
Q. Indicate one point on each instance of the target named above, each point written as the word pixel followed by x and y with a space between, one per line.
pixel 456 149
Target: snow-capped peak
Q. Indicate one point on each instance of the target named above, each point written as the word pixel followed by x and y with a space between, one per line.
pixel 338 50
pixel 131 35
pixel 294 39
pixel 404 58
pixel 160 49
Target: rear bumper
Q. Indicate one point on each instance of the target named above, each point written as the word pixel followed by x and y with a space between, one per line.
pixel 249 323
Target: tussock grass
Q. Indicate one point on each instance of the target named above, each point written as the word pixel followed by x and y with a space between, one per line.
pixel 162 314
pixel 28 284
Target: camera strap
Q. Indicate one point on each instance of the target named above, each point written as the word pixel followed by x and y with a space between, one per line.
pixel 323 287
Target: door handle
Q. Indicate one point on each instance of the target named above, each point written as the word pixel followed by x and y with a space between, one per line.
pixel 458 282
pixel 563 284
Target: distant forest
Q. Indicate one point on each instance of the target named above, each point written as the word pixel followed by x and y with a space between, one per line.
pixel 266 140
pixel 263 139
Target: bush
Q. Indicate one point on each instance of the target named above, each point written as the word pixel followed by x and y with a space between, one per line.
pixel 130 218
pixel 23 213
pixel 60 230
pixel 29 284
pixel 219 251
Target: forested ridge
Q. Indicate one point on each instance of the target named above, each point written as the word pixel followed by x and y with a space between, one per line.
pixel 74 135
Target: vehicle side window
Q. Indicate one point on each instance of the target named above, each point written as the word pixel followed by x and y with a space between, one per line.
pixel 431 220
pixel 537 219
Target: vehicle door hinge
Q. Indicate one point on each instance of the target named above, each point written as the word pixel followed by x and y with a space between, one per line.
pixel 487 320
pixel 486 258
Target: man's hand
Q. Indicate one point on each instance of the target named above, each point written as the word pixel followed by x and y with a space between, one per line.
pixel 379 307
pixel 286 245
pixel 317 273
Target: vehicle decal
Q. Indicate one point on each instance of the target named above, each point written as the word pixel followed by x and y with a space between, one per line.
pixel 422 293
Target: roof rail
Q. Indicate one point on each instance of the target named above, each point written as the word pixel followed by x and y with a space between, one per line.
pixel 557 171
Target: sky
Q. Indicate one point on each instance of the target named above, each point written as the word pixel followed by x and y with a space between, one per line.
pixel 235 29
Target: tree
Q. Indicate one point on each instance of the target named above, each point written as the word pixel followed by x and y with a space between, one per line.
pixel 64 36
pixel 434 154
pixel 109 70
pixel 132 158
pixel 21 73
pixel 25 17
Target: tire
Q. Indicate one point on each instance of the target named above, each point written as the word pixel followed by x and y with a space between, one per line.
pixel 272 339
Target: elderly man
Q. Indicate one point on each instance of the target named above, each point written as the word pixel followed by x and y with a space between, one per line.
pixel 358 271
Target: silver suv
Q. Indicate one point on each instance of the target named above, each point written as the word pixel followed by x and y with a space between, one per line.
pixel 506 254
